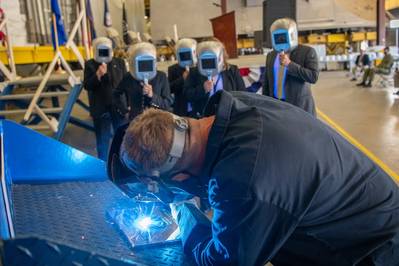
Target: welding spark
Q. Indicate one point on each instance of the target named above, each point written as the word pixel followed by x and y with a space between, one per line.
pixel 144 223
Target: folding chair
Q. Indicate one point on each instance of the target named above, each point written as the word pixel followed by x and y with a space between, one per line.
pixel 386 81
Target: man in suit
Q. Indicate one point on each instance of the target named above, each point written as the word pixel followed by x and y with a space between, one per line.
pixel 362 63
pixel 200 85
pixel 178 73
pixel 144 86
pixel 176 76
pixel 101 76
pixel 290 68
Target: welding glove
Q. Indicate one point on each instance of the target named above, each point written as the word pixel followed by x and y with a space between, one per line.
pixel 176 206
pixel 193 224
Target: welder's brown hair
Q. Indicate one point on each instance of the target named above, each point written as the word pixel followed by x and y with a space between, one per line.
pixel 148 139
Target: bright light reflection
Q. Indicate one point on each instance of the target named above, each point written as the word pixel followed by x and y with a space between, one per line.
pixel 144 223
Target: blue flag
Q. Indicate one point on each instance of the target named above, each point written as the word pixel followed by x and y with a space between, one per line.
pixel 56 11
pixel 89 14
pixel 107 15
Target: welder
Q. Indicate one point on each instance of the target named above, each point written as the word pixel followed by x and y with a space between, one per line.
pixel 283 186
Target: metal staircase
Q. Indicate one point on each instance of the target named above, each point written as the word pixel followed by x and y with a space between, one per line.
pixel 55 103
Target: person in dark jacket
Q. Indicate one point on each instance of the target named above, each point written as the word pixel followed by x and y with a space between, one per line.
pixel 140 90
pixel 362 63
pixel 290 68
pixel 176 76
pixel 198 88
pixel 178 73
pixel 101 76
pixel 284 187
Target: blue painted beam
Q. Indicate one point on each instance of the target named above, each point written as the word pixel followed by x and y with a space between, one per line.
pixel 34 158
pixel 67 110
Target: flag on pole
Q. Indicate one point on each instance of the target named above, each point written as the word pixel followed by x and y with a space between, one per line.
pixel 125 25
pixel 60 30
pixel 89 14
pixel 107 15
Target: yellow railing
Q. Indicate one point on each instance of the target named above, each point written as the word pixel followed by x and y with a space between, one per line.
pixel 37 54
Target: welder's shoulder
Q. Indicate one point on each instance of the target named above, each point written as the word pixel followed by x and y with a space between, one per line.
pixel 238 153
pixel 253 100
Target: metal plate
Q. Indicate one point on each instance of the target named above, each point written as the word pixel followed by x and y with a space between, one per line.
pixel 34 251
pixel 74 214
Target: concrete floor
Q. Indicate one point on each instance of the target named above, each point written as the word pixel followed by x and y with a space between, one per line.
pixel 370 115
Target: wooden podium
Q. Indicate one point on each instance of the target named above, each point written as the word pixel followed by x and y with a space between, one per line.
pixel 224 28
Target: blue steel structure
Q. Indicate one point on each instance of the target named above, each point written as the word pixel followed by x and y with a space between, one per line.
pixel 55 193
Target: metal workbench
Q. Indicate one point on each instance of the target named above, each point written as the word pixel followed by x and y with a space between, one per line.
pixel 51 191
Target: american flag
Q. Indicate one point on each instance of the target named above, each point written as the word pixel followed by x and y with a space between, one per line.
pixel 253 78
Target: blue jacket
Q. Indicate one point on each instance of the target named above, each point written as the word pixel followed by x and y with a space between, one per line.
pixel 288 189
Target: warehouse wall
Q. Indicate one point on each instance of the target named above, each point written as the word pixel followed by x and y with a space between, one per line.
pixel 192 16
pixel 134 11
pixel 16 22
pixel 248 18
pixel 325 14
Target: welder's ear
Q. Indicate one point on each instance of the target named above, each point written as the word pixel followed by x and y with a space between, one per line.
pixel 180 177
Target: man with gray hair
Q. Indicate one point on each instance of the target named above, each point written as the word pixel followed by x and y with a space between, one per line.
pixel 290 67
pixel 102 75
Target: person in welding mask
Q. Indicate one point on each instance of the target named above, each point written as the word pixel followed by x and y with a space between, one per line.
pixel 213 74
pixel 143 86
pixel 102 75
pixel 277 196
pixel 178 73
pixel 290 68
